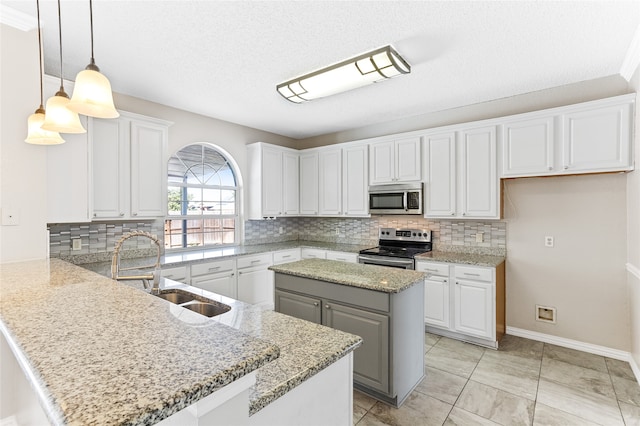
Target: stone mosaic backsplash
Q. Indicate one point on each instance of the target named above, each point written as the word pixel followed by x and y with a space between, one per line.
pixel 448 235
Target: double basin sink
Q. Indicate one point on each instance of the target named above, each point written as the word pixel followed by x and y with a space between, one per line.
pixel 193 302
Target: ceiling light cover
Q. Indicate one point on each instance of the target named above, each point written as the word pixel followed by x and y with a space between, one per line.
pixel 38 136
pixel 371 67
pixel 92 92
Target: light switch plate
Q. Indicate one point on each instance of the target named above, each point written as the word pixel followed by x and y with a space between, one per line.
pixel 10 217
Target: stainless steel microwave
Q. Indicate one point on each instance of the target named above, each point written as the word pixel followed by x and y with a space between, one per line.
pixel 396 199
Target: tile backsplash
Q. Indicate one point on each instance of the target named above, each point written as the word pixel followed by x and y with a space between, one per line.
pixel 99 239
pixel 448 235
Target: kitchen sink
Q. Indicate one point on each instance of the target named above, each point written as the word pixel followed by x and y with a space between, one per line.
pixel 207 309
pixel 198 304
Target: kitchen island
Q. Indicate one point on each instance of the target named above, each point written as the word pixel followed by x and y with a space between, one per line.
pixel 385 306
pixel 96 351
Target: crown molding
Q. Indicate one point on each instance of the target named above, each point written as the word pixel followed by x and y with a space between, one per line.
pixel 632 59
pixel 17 19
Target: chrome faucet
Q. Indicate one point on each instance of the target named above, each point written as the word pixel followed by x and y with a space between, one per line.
pixel 154 276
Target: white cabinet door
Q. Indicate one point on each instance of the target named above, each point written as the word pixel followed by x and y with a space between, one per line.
pixel 309 183
pixel 271 182
pixel 597 139
pixel 290 184
pixel 355 189
pixel 311 253
pixel 474 303
pixel 255 286
pixel 148 169
pixel 222 283
pixel 342 256
pixel 286 256
pixel 528 147
pixel 382 163
pixel 440 175
pixel 330 181
pixel 407 160
pixel 110 165
pixel 69 179
pixel 478 191
pixel 436 301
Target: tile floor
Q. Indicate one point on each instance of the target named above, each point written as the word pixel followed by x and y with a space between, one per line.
pixel 524 383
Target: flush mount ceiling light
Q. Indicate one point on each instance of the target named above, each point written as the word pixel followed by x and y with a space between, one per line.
pixel 59 118
pixel 371 67
pixel 36 135
pixel 92 92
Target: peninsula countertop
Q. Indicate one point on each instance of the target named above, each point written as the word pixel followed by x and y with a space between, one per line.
pixel 371 277
pixel 97 349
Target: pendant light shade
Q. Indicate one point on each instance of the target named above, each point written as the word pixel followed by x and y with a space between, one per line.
pixel 38 136
pixel 59 118
pixel 35 134
pixel 92 92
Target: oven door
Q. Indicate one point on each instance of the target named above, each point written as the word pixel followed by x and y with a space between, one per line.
pixel 394 262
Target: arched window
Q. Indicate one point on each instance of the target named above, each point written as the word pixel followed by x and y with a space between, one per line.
pixel 203 199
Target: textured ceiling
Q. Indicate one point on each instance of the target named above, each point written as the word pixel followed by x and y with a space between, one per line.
pixel 224 59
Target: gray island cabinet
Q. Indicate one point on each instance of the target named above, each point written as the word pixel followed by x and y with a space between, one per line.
pixel 382 305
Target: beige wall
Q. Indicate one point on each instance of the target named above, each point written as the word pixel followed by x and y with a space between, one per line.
pixel 22 166
pixel 583 275
pixel 633 241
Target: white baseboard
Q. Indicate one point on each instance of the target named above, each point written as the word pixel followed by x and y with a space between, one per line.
pixel 572 344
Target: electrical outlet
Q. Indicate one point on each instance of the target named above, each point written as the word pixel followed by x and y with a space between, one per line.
pixel 281 230
pixel 76 244
pixel 548 241
pixel 479 237
pixel 337 231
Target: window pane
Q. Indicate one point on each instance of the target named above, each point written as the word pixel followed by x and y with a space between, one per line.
pixel 227 178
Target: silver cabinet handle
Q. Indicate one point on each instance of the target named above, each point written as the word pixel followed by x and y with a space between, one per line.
pixel 255 261
pixel 316 304
pixel 214 268
pixel 444 281
pixel 232 274
pixel 121 214
pixel 472 274
pixel 327 306
pixel 549 168
pixel 134 214
pixel 284 257
pixel 566 167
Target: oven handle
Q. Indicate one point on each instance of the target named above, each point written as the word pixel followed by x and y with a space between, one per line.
pixel 381 260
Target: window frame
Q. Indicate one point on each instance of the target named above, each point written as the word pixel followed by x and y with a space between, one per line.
pixel 184 216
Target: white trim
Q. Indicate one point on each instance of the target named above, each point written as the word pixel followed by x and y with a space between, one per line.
pixel 16 19
pixel 632 59
pixel 572 344
pixel 635 368
pixel 633 270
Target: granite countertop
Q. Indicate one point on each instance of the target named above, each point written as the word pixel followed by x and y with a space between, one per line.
pixel 98 349
pixel 463 258
pixel 371 277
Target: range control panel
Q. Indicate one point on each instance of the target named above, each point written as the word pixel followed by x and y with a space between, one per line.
pixel 394 234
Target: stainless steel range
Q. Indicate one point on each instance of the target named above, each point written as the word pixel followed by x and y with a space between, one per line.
pixel 397 248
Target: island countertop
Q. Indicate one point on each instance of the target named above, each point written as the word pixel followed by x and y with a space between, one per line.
pixel 99 351
pixel 371 277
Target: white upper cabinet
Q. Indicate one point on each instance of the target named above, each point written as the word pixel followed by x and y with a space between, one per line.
pixel 461 174
pixel 69 179
pixel 309 183
pixel 527 147
pixel 479 183
pixel 592 137
pixel 355 199
pixel 330 181
pixel 440 175
pixel 272 181
pixel 129 167
pixel 394 161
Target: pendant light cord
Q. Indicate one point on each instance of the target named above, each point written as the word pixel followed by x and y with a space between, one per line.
pixel 40 56
pixel 60 38
pixel 91 22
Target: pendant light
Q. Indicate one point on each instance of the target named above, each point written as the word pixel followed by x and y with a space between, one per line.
pixel 36 135
pixel 59 118
pixel 92 92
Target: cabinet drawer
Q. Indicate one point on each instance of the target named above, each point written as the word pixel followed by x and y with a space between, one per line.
pixel 211 267
pixel 309 253
pixel 255 260
pixel 178 273
pixel 285 256
pixel 474 273
pixel 342 256
pixel 433 268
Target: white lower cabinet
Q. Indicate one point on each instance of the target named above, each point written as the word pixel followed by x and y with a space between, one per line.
pixel 311 253
pixel 286 256
pixel 465 302
pixel 176 273
pixel 218 277
pixel 255 280
pixel 342 256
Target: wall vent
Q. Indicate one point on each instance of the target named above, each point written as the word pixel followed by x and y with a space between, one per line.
pixel 546 314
